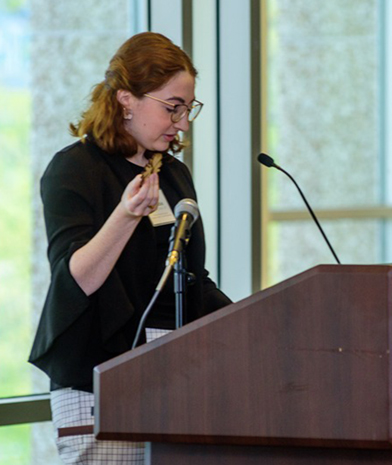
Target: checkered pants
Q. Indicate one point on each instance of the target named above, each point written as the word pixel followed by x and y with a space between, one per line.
pixel 74 408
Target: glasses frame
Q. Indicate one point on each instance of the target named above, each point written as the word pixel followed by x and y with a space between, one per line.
pixel 188 110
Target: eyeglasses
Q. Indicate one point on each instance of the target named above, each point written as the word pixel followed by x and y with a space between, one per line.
pixel 180 110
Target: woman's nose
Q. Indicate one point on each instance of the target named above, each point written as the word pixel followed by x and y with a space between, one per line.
pixel 183 124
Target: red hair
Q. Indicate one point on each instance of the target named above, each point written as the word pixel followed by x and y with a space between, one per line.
pixel 144 63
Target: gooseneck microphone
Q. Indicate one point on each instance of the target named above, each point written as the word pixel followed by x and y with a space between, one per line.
pixel 266 160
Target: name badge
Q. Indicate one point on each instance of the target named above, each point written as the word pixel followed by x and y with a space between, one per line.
pixel 163 214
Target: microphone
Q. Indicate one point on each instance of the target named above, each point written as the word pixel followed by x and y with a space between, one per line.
pixel 186 213
pixel 266 160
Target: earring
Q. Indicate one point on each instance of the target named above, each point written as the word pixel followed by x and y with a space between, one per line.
pixel 127 114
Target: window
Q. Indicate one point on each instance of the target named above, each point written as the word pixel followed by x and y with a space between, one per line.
pixel 326 117
pixel 51 54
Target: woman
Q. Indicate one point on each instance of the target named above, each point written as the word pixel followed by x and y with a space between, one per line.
pixel 106 250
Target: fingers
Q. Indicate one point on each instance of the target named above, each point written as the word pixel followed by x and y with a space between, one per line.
pixel 151 195
pixel 155 192
pixel 141 200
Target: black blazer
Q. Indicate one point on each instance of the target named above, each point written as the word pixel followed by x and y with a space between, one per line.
pixel 80 188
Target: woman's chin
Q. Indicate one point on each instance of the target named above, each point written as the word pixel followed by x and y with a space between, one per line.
pixel 161 147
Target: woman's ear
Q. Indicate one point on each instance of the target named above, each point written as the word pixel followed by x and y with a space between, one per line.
pixel 125 98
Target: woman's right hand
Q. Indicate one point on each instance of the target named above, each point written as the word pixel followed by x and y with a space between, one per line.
pixel 141 199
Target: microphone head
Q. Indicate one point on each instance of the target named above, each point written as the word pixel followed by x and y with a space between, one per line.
pixel 265 160
pixel 187 206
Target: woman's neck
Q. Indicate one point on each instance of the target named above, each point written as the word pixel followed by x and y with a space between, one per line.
pixel 138 159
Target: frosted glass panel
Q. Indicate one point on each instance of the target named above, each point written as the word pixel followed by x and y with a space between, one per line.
pixel 298 245
pixel 324 87
pixel 28 445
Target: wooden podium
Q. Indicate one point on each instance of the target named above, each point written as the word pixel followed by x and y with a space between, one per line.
pixel 298 373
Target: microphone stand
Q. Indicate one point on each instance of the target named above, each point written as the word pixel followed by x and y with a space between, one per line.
pixel 180 282
pixel 181 279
